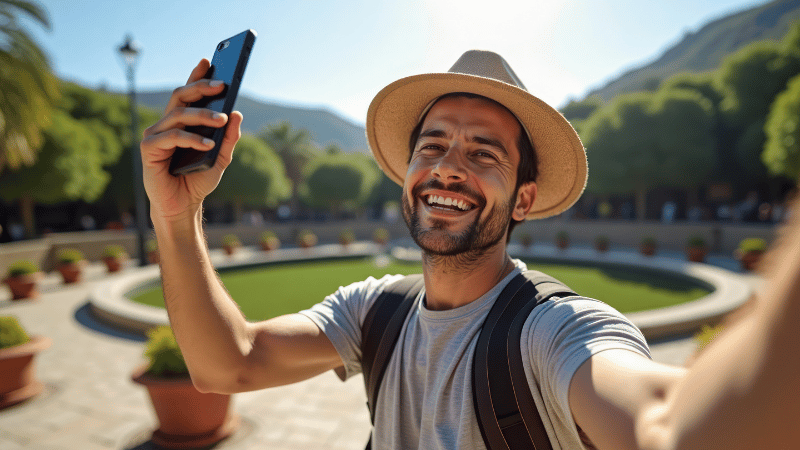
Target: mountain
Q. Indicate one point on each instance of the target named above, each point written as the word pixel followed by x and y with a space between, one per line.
pixel 324 126
pixel 705 49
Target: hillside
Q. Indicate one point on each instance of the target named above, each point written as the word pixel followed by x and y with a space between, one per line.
pixel 324 126
pixel 704 49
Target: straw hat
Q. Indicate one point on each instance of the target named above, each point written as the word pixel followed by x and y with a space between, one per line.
pixel 398 107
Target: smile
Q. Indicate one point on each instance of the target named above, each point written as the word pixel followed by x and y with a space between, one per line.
pixel 448 203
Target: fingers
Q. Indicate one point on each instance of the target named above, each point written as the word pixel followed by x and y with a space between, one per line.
pixel 196 87
pixel 159 147
pixel 180 117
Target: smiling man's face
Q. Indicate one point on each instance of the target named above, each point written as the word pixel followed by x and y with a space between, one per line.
pixel 459 193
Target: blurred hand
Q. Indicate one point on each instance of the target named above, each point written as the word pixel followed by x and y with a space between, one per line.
pixel 175 197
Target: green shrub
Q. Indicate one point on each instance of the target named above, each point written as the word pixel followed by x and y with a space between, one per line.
pixel 380 235
pixel 649 240
pixel 266 235
pixel 69 255
pixel 707 334
pixel 166 359
pixel 151 245
pixel 601 240
pixel 114 251
pixel 696 241
pixel 306 238
pixel 231 240
pixel 347 236
pixel 22 267
pixel 752 245
pixel 11 332
pixel 562 235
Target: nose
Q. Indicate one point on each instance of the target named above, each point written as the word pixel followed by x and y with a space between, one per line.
pixel 449 167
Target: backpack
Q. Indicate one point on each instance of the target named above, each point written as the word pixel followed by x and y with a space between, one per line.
pixel 507 414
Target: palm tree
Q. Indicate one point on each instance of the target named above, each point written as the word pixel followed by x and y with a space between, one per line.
pixel 27 85
pixel 293 146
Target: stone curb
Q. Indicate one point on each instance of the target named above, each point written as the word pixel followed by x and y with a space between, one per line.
pixel 108 301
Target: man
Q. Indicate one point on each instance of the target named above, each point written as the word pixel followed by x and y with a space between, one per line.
pixel 476 154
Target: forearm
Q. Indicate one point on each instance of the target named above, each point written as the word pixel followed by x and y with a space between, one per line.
pixel 741 393
pixel 209 327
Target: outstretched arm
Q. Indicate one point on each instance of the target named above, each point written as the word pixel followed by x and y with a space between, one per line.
pixel 739 394
pixel 223 351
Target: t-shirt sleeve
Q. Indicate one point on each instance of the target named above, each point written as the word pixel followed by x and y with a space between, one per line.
pixel 341 315
pixel 562 334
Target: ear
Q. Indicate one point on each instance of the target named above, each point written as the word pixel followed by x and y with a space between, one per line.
pixel 524 202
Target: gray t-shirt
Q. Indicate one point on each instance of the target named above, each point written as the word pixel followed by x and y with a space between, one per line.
pixel 425 399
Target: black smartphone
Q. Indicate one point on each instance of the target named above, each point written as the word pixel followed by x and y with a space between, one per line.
pixel 228 64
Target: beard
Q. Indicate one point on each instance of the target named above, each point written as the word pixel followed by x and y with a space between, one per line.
pixel 472 242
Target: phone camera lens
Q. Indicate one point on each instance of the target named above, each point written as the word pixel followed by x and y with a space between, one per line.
pixel 220 46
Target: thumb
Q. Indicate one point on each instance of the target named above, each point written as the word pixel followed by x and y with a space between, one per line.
pixel 232 135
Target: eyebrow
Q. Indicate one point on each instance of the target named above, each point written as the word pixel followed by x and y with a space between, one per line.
pixel 483 140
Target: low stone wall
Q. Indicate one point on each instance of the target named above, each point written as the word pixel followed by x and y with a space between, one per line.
pixel 723 238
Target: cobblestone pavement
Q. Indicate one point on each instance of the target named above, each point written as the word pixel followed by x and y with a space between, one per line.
pixel 91 403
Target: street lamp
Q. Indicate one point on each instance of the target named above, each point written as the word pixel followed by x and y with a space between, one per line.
pixel 130 51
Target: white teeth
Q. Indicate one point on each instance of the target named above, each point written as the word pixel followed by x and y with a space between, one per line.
pixel 436 199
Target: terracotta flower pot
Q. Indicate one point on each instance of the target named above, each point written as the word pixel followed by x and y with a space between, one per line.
pixel 24 286
pixel 562 244
pixel 71 272
pixel 113 263
pixel 187 417
pixel 270 244
pixel 696 254
pixel 17 375
pixel 648 249
pixel 749 260
pixel 230 249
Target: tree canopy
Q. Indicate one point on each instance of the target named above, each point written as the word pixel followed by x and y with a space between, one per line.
pixel 27 85
pixel 338 181
pixel 782 150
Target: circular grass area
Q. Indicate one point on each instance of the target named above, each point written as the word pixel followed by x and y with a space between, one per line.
pixel 271 290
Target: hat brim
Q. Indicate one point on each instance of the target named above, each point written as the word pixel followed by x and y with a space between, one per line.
pixel 397 108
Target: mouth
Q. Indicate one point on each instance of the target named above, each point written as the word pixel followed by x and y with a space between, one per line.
pixel 446 203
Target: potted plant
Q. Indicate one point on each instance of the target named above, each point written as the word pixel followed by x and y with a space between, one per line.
pixel 17 372
pixel 306 239
pixel 648 246
pixel 750 252
pixel 152 251
pixel 231 243
pixel 346 237
pixel 114 256
pixel 526 240
pixel 187 417
pixel 601 244
pixel 269 241
pixel 696 249
pixel 380 236
pixel 22 279
pixel 562 240
pixel 70 264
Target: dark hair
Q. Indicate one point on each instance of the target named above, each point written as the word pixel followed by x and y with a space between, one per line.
pixel 528 169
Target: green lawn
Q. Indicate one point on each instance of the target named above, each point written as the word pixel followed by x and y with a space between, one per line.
pixel 264 292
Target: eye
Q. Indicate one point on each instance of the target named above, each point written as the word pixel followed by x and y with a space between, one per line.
pixel 485 155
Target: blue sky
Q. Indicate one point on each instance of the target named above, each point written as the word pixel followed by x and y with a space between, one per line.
pixel 339 54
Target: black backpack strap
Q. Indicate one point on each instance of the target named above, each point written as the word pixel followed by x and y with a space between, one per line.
pixel 381 329
pixel 506 411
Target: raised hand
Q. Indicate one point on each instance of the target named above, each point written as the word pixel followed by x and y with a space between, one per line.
pixel 175 197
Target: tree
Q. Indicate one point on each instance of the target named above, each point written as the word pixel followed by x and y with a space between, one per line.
pixel 581 110
pixel 338 181
pixel 782 151
pixel 69 167
pixel 27 86
pixel 644 140
pixel 294 148
pixel 255 177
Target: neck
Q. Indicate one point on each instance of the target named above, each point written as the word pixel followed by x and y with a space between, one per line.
pixel 453 281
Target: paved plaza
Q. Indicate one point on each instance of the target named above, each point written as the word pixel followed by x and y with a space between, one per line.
pixel 91 403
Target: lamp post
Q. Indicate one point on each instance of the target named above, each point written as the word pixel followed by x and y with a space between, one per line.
pixel 129 51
